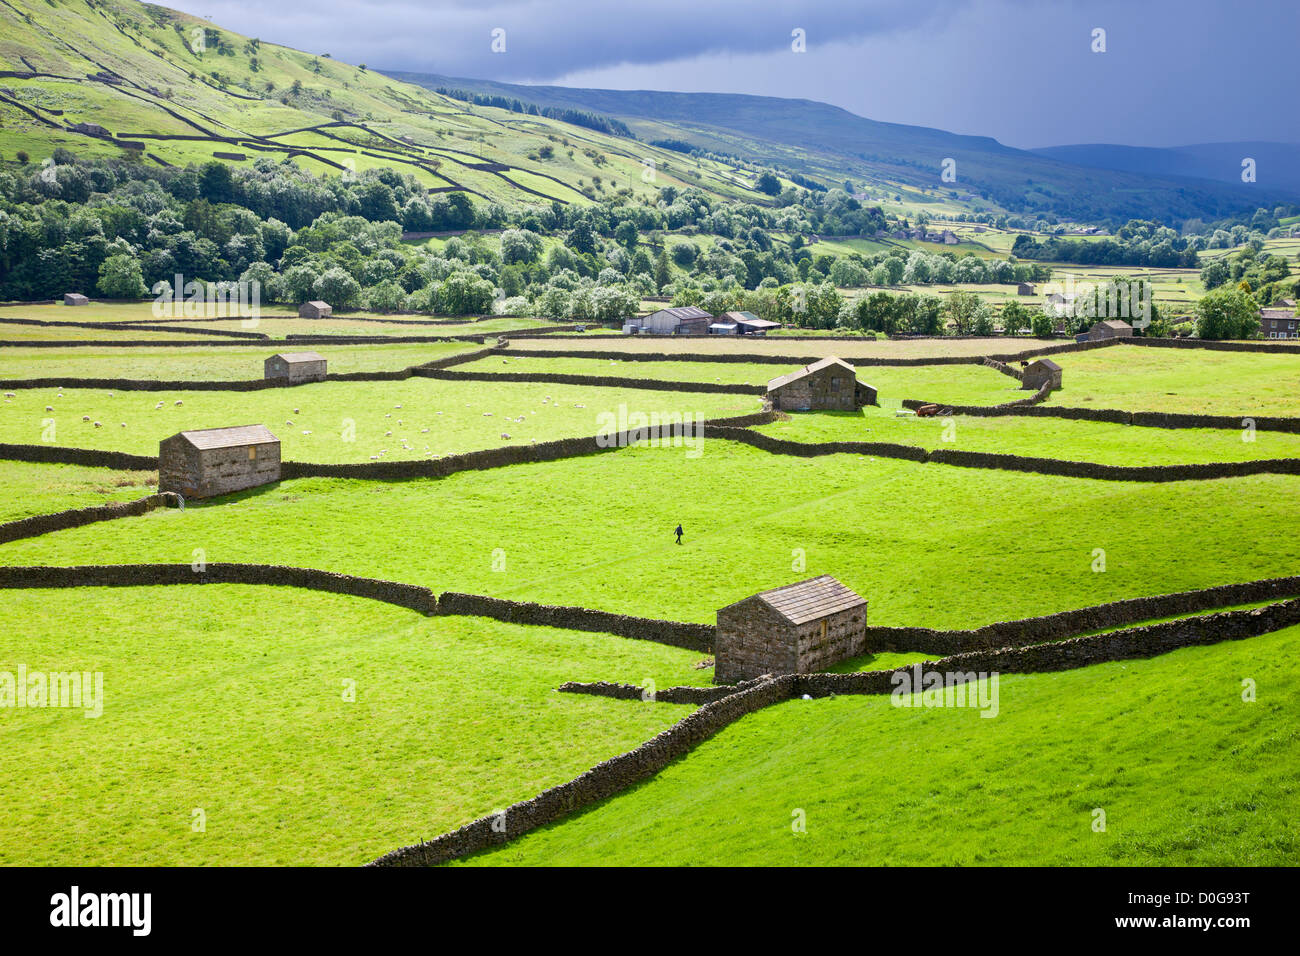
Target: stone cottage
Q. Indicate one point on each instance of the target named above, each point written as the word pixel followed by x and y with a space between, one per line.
pixel 796 629
pixel 296 367
pixel 315 309
pixel 827 384
pixel 1110 329
pixel 75 298
pixel 1036 374
pixel 217 461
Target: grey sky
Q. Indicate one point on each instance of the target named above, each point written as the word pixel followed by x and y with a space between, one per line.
pixel 1022 71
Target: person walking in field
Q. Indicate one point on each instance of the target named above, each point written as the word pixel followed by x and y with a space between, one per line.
pixel 678 532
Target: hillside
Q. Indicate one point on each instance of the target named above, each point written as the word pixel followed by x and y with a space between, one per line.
pixel 117 77
pixel 831 144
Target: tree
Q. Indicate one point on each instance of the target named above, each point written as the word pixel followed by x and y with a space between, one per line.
pixel 338 288
pixel 1227 314
pixel 768 183
pixel 120 277
pixel 1015 318
pixel 663 274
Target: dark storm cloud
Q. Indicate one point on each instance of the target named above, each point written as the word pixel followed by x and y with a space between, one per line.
pixel 1023 71
pixel 547 39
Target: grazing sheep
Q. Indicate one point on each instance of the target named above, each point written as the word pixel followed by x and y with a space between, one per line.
pixel 49 408
pixel 505 436
pixel 296 412
pixel 98 425
pixel 124 424
pixel 423 431
pixel 179 402
pixel 85 418
pixel 158 406
pixel 388 433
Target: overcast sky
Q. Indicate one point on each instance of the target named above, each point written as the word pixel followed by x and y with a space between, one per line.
pixel 1173 72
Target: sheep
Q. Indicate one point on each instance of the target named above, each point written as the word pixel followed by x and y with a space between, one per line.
pixel 85 418
pixel 388 433
pixel 98 425
pixel 49 408
pixel 124 424
pixel 505 436
pixel 179 402
pixel 158 406
pixel 424 431
pixel 296 412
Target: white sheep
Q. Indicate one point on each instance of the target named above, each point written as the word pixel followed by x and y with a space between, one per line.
pixel 98 425
pixel 505 436
pixel 179 402
pixel 85 418
pixel 49 408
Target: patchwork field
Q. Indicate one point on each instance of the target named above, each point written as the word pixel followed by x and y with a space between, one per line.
pixel 455 717
pixel 201 363
pixel 345 421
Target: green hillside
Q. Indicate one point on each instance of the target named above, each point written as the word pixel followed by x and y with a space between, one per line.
pixel 830 144
pixel 183 90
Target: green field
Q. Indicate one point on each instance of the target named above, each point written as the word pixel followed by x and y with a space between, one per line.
pixel 200 363
pixel 880 785
pixel 345 421
pixel 1197 381
pixel 880 526
pixel 195 687
pixel 1103 442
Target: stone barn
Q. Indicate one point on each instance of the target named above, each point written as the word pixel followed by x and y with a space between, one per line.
pixel 1110 329
pixel 75 298
pixel 296 367
pixel 796 629
pixel 1025 288
pixel 315 309
pixel 217 461
pixel 828 384
pixel 1037 373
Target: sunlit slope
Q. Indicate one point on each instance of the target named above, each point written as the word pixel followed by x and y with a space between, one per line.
pixel 188 90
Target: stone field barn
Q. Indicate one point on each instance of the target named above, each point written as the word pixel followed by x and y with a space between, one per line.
pixel 829 384
pixel 296 366
pixel 1039 372
pixel 796 629
pixel 217 461
pixel 315 310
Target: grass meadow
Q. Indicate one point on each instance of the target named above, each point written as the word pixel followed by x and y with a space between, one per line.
pixel 880 785
pixel 930 545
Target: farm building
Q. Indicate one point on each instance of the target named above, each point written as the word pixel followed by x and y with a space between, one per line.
pixel 683 320
pixel 75 298
pixel 827 384
pixel 1038 373
pixel 1278 324
pixel 296 366
pixel 1110 329
pixel 315 310
pixel 747 323
pixel 796 629
pixel 1025 288
pixel 723 326
pixel 217 461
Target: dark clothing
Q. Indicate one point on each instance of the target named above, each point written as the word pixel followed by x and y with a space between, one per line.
pixel 678 532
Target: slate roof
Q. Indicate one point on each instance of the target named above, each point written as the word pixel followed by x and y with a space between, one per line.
pixel 786 379
pixel 231 437
pixel 811 600
pixel 685 312
pixel 1047 364
pixel 1114 324
pixel 294 357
